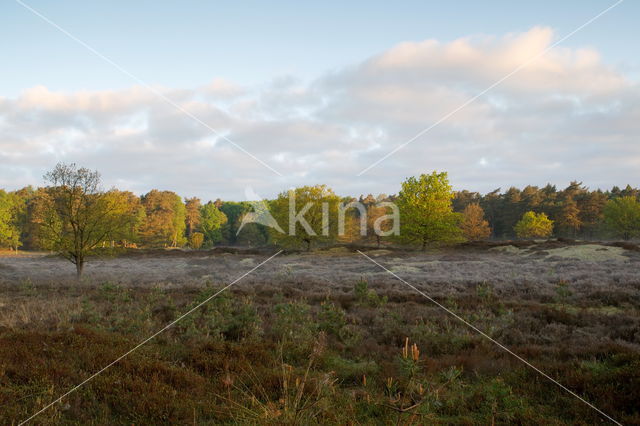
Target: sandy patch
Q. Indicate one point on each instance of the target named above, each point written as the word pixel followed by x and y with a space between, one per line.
pixel 506 249
pixel 249 261
pixel 591 252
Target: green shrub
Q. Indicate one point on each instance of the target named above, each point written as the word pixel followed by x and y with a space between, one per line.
pixel 331 318
pixel 293 320
pixel 351 336
pixel 295 328
pixel 351 372
pixel 224 317
pixel 367 297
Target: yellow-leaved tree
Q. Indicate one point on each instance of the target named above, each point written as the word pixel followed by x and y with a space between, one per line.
pixel 534 225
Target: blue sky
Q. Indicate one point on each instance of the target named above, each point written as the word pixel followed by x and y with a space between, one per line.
pixel 319 91
pixel 187 43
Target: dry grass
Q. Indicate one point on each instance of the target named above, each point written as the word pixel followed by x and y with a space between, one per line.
pixel 296 345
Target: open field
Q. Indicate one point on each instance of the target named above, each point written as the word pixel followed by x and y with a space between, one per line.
pixel 319 337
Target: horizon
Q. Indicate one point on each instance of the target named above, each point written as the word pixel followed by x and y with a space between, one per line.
pixel 254 196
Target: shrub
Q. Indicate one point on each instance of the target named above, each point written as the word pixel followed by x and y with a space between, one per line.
pixel 295 328
pixel 224 317
pixel 366 297
pixel 349 371
pixel 331 318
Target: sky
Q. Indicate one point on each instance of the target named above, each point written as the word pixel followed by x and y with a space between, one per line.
pixel 209 99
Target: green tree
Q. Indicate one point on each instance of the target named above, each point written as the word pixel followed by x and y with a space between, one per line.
pixel 11 208
pixel 534 225
pixel 128 206
pixel 29 235
pixel 426 212
pixel 622 216
pixel 75 216
pixel 234 212
pixel 307 215
pixel 473 225
pixel 211 222
pixel 253 235
pixel 179 223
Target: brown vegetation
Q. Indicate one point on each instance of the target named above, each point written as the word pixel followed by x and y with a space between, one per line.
pixel 323 338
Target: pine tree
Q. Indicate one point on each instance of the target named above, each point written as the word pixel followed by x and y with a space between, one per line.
pixel 569 217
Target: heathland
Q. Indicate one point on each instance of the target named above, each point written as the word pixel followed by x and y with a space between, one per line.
pixel 326 336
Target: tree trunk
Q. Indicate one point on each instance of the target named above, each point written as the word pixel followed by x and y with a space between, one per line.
pixel 79 268
pixel 308 245
pixel 424 244
pixel 378 240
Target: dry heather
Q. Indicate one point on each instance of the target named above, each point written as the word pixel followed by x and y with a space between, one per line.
pixel 325 338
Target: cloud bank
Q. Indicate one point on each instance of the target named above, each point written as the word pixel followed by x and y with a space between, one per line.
pixel 565 116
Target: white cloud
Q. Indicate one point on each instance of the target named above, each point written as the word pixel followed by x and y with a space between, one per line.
pixel 221 90
pixel 484 60
pixel 566 116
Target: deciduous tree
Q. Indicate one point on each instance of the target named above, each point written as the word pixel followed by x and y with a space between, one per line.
pixel 211 221
pixel 11 208
pixel 75 216
pixel 379 221
pixel 622 216
pixel 426 211
pixel 164 223
pixel 534 225
pixel 234 212
pixel 196 239
pixel 473 225
pixel 127 205
pixel 307 215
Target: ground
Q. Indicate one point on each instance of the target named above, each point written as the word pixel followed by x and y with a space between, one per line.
pixel 325 336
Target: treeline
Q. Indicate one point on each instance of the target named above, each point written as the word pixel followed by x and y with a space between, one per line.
pixel 155 219
pixel 41 218
pixel 576 211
